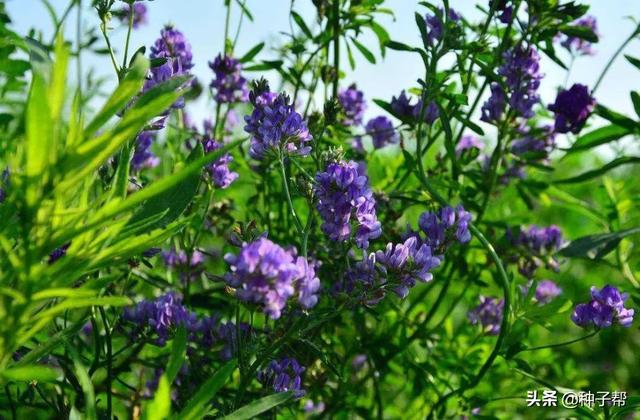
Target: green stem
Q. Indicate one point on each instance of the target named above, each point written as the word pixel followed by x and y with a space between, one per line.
pixel 296 221
pixel 103 29
pixel 336 45
pixel 504 326
pixel 126 44
pixel 566 343
pixel 614 56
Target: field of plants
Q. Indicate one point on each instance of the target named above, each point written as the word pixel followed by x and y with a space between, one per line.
pixel 466 248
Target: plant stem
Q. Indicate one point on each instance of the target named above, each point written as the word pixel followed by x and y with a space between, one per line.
pixel 613 58
pixel 103 29
pixel 566 343
pixel 126 44
pixel 296 221
pixel 107 332
pixel 336 46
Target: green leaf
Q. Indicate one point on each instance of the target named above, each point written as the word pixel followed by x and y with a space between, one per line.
pixel 89 155
pixel 85 384
pixel 598 137
pixel 301 24
pixel 160 406
pixel 59 77
pixel 617 118
pixel 625 160
pixel 196 408
pixel 128 88
pixel 399 46
pixel 582 32
pixel 633 60
pixel 178 354
pixel 635 98
pixel 30 373
pixel 266 65
pixel 381 34
pixel 596 246
pixel 39 129
pixel 173 201
pixel 252 53
pixel 364 50
pixel 259 406
pixel 352 61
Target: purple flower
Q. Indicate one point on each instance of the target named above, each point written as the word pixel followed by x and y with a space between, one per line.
pixel 605 308
pixel 229 84
pixel 344 194
pixel 266 274
pixel 275 126
pixel 445 226
pixel 579 45
pixel 540 140
pixel 219 170
pixel 521 70
pixel 540 240
pixel 488 314
pixel 493 108
pixel 284 375
pixel 143 157
pixel 382 132
pixel 545 292
pixel 401 106
pixel 468 143
pixel 162 316
pixel 58 253
pixel 139 14
pixel 172 47
pixel 572 108
pixel 189 267
pixel 431 112
pixel 353 104
pixel 308 285
pixel 435 25
pixel 505 8
pixel 402 264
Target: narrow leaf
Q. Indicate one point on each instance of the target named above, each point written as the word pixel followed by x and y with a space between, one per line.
pixel 598 137
pixel 625 160
pixel 259 406
pixel 596 246
pixel 196 408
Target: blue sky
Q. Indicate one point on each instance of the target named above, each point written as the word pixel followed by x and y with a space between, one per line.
pixel 202 21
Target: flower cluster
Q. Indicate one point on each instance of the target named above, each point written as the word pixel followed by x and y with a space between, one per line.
pixel 572 108
pixel 605 308
pixel 534 141
pixel 143 157
pixel 219 170
pixel 545 292
pixel 577 45
pixel 521 72
pixel 268 275
pixel 343 193
pixel 469 143
pixel 404 110
pixel 284 375
pixel 505 7
pixel 435 25
pixel 162 316
pixel 139 14
pixel 229 83
pixel 488 314
pixel 353 105
pixel 382 132
pixel 537 247
pixel 189 267
pixel 275 126
pixel 404 263
pixel 444 227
